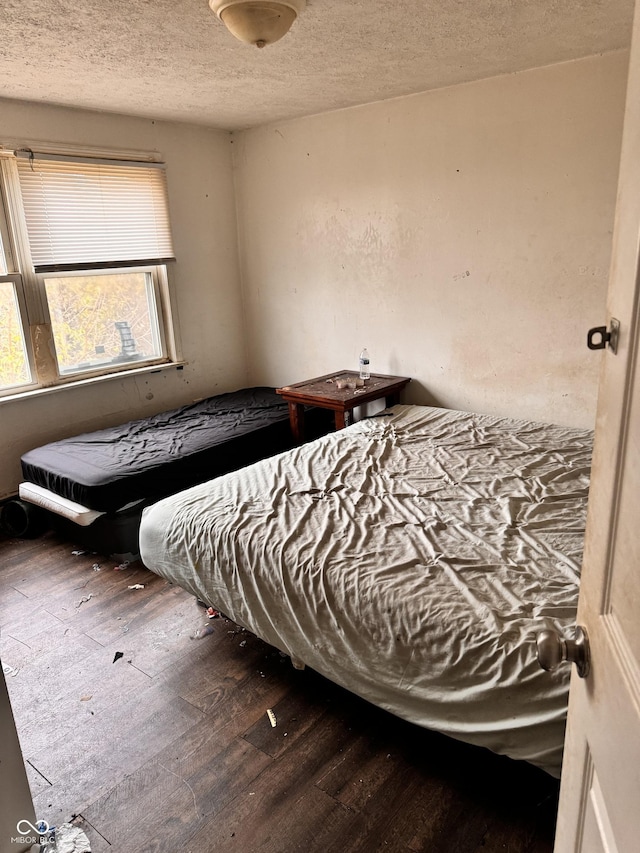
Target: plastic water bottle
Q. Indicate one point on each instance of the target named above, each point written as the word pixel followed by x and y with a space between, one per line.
pixel 364 365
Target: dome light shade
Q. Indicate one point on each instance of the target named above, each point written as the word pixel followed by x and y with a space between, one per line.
pixel 258 22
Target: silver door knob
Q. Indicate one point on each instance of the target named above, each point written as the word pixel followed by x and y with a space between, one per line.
pixel 554 650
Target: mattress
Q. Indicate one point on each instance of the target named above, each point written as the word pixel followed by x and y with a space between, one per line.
pixel 159 455
pixel 411 558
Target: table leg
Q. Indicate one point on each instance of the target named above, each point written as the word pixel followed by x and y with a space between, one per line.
pixel 296 419
pixel 340 420
pixel 392 399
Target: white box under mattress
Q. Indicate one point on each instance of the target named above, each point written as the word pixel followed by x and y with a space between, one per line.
pixel 42 497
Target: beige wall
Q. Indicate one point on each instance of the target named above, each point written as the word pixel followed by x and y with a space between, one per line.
pixel 205 277
pixel 462 235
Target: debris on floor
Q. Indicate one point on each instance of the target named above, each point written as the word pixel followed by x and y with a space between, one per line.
pixel 79 553
pixel 212 613
pixel 85 598
pixel 117 656
pixel 68 839
pixel 9 670
pixel 137 586
pixel 203 632
pixel 272 718
pixel 122 566
pixel 96 567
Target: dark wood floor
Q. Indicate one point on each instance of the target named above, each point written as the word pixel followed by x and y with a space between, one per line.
pixel 169 748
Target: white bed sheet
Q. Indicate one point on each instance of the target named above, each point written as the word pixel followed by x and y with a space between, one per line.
pixel 411 558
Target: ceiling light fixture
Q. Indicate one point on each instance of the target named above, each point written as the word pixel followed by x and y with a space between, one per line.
pixel 258 22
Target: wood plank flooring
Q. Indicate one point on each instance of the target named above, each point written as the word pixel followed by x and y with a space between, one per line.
pixel 160 743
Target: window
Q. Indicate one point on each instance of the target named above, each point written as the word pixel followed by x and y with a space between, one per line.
pixel 14 360
pixel 102 320
pixel 84 247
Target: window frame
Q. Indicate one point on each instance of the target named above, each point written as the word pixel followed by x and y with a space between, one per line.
pixel 19 291
pixel 158 279
pixel 30 290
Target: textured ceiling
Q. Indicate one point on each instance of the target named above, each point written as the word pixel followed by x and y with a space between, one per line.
pixel 173 59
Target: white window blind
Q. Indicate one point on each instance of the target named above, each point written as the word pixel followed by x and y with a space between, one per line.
pixel 86 214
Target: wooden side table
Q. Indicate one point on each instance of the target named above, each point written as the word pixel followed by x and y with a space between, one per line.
pixel 325 393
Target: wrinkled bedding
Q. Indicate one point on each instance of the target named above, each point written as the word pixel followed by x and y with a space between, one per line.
pixel 156 456
pixel 411 558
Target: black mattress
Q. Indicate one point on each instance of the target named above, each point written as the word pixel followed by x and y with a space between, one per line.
pixel 157 456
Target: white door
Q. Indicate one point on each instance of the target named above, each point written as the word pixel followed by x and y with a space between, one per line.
pixel 600 788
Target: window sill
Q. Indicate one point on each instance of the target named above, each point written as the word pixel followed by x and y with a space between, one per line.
pixel 92 380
